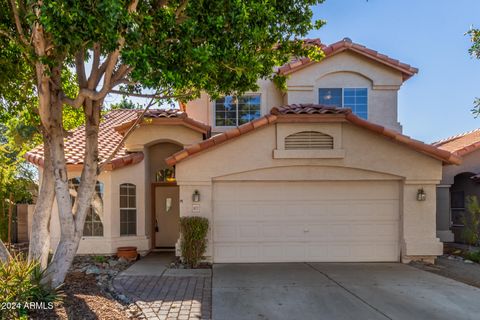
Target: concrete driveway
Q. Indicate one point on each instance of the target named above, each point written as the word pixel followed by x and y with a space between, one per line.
pixel 338 291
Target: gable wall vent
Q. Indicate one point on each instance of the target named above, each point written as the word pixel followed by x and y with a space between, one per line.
pixel 308 140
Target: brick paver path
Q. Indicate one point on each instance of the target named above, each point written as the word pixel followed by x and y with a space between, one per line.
pixel 167 297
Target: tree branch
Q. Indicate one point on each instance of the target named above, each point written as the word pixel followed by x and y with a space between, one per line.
pixel 121 73
pixel 18 24
pixel 125 136
pixel 153 97
pixel 80 68
pixel 180 9
pixel 106 70
pixel 95 73
pixel 146 95
pixel 8 35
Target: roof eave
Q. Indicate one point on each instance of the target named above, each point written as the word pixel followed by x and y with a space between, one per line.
pixel 344 45
pixel 127 160
pixel 187 122
pixel 429 150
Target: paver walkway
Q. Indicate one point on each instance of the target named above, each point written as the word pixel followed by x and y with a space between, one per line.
pixel 163 293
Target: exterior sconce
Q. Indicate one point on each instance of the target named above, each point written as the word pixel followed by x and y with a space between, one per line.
pixel 196 196
pixel 421 195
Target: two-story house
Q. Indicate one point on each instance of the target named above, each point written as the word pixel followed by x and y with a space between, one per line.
pixel 320 172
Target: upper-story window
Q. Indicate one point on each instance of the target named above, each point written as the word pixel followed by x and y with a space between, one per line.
pixel 93 226
pixel 353 98
pixel 233 111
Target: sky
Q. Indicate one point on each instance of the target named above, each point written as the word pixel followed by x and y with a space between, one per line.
pixel 427 34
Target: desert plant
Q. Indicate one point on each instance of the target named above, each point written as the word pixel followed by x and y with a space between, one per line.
pixel 194 239
pixel 21 287
pixel 471 221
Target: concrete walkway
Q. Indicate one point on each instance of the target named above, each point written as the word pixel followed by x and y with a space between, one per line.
pixel 338 291
pixel 163 293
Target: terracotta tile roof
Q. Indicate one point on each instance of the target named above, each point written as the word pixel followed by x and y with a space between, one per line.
pixel 308 109
pixel 461 144
pixel 166 117
pixel 312 113
pixel 109 138
pixel 347 44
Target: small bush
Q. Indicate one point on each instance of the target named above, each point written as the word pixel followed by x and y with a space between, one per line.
pixel 473 256
pixel 194 239
pixel 471 221
pixel 100 259
pixel 21 284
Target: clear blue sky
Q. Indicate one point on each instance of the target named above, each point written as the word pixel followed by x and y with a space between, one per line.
pixel 427 34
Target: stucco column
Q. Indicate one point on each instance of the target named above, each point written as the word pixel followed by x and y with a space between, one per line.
pixel 418 224
pixel 443 213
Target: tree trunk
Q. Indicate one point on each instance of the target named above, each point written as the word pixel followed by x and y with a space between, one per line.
pixel 72 221
pixel 40 237
pixel 4 254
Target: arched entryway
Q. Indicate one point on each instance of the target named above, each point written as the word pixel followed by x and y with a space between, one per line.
pixel 463 186
pixel 164 195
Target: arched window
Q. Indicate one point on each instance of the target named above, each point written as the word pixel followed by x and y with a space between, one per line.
pixel 93 226
pixel 308 140
pixel 128 209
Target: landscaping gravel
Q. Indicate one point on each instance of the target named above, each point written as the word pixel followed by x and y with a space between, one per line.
pixel 454 267
pixel 88 292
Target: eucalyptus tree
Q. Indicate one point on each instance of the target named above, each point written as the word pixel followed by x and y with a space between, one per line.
pixel 154 48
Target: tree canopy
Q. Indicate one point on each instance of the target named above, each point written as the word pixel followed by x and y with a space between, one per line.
pixel 474 51
pixel 61 57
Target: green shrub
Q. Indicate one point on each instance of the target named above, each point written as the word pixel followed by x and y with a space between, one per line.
pixel 100 259
pixel 194 239
pixel 473 256
pixel 21 284
pixel 471 221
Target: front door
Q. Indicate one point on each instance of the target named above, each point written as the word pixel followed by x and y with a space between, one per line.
pixel 167 214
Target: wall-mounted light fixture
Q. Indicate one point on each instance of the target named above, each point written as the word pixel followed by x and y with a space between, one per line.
pixel 196 196
pixel 421 195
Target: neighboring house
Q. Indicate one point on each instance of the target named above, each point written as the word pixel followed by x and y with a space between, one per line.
pixel 458 182
pixel 320 172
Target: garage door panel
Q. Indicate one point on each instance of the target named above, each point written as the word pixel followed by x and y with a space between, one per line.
pixel 306 190
pixel 306 221
pixel 263 231
pixel 326 210
pixel 301 252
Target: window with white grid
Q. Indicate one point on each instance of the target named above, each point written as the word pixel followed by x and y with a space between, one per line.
pixel 128 209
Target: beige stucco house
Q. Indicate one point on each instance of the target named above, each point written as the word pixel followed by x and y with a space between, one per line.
pixel 458 183
pixel 320 172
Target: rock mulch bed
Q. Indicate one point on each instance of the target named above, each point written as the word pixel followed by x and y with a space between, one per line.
pixel 88 292
pixel 453 267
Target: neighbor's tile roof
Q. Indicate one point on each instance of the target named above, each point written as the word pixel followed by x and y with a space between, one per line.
pixel 347 44
pixel 461 144
pixel 311 113
pixel 108 139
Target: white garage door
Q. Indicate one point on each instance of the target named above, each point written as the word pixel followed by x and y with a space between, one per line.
pixel 306 221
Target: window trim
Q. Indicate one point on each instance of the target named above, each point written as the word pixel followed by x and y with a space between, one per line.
pixel 343 96
pixel 120 208
pixel 224 128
